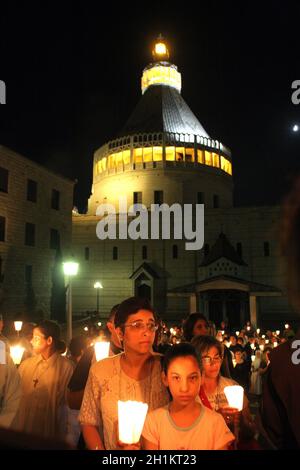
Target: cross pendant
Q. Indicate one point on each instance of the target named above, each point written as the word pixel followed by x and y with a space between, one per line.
pixel 35 381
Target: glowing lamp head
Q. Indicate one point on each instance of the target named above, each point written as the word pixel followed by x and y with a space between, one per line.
pixel 98 285
pixel 70 268
pixel 160 51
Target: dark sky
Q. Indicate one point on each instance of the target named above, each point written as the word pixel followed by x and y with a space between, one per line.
pixel 73 72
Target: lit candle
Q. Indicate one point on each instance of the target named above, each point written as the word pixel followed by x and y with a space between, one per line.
pixel 261 347
pixel 277 332
pixel 223 332
pixel 252 358
pixel 237 333
pixel 252 346
pixel 275 344
pixel 101 350
pixel 16 353
pixel 248 328
pixel 131 418
pixel 286 326
pixel 235 396
pixel 267 341
pixel 258 331
pixel 263 336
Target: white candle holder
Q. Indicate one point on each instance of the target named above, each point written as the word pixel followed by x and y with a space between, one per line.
pixel 131 418
pixel 235 396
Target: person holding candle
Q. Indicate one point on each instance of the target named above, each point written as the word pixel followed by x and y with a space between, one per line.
pixel 185 423
pixel 44 379
pixel 10 388
pixel 133 375
pixel 212 388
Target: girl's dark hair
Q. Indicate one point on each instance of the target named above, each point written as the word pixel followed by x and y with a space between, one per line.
pixel 203 343
pixel 189 324
pixel 179 350
pixel 131 306
pixel 51 328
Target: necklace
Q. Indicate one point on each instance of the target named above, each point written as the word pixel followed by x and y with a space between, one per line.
pixel 41 368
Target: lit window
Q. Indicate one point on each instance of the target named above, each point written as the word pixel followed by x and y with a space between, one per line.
pixel 208 158
pixel 216 160
pixel 189 155
pixel 170 154
pixel 138 155
pixel 157 154
pixel 147 154
pixel 126 157
pixel 200 156
pixel 179 154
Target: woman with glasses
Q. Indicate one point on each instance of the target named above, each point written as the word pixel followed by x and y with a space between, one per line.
pixel 213 383
pixel 135 374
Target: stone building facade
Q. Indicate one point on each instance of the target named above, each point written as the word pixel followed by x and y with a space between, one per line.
pixel 35 220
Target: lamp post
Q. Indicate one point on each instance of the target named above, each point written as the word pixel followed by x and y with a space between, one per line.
pixel 70 269
pixel 98 286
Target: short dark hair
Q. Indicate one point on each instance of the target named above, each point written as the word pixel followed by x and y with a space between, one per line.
pixel 131 306
pixel 179 350
pixel 203 343
pixel 190 322
pixel 112 313
pixel 51 328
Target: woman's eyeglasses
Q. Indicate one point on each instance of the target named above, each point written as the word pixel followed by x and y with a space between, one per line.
pixel 210 360
pixel 139 325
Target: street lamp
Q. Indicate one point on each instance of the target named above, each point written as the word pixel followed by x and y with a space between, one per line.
pixel 70 269
pixel 18 326
pixel 98 286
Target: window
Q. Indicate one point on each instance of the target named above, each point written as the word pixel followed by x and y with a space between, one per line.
pixel 144 252
pixel 175 251
pixel 137 197
pixel 55 199
pixel 206 249
pixel 28 275
pixel 115 253
pixel 2 229
pixel 266 249
pixel 158 197
pixel 3 180
pixel 29 234
pixel 31 190
pixel 86 253
pixel 239 249
pixel 216 201
pixel 54 239
pixel 200 198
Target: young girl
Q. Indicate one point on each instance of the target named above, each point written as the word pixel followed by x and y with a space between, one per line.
pixel 184 424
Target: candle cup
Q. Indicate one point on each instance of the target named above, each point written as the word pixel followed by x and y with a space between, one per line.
pixel 101 350
pixel 131 418
pixel 16 353
pixel 235 396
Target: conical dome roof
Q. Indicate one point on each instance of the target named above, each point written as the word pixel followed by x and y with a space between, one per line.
pixel 162 109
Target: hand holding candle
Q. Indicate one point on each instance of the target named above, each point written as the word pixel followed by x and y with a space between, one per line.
pixel 131 416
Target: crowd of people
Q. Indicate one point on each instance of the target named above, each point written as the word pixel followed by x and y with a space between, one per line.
pixel 65 396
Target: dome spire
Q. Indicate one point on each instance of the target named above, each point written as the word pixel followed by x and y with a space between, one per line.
pixel 160 51
pixel 161 71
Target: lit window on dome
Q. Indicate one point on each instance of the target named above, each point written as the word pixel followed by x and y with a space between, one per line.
pixel 126 157
pixel 216 160
pixel 179 154
pixel 111 161
pixel 208 158
pixel 138 155
pixel 157 154
pixel 119 160
pixel 189 155
pixel 200 156
pixel 170 154
pixel 147 154
pixel 226 165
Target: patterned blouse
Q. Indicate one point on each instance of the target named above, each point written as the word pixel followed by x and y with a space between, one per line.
pixel 107 383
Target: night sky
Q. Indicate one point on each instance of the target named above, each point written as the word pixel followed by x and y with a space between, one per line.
pixel 72 76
